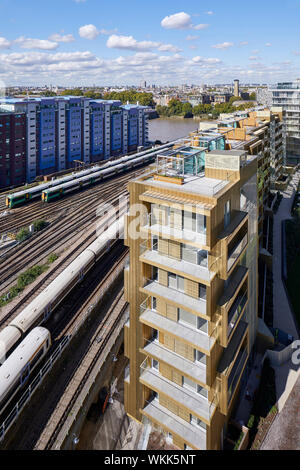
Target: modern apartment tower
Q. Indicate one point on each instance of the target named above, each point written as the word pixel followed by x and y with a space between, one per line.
pixel 192 289
pixel 287 96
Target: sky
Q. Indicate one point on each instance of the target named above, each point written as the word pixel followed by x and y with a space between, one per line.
pixel 162 42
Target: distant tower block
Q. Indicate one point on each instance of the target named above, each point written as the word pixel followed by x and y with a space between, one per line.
pixel 236 88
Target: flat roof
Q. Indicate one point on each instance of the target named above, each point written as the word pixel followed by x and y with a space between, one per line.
pixel 227 153
pixel 193 184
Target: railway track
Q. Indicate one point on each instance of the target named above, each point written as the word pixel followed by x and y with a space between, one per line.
pixel 24 216
pixel 70 319
pixel 50 240
pixel 90 360
pixel 9 313
pixel 58 233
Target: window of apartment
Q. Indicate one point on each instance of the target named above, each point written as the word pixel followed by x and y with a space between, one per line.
pixel 193 320
pixel 190 384
pixel 154 273
pixel 176 282
pixel 197 422
pixel 193 255
pixel 186 317
pixel 155 364
pixel 153 303
pixel 154 334
pixel 199 357
pixel 154 243
pixel 227 214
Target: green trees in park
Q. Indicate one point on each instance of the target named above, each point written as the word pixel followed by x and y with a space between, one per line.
pixel 177 108
pixel 144 99
pixel 73 92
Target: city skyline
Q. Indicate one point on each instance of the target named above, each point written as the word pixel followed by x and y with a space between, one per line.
pixel 80 42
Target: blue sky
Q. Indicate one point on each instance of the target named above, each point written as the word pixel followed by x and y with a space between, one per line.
pixel 85 42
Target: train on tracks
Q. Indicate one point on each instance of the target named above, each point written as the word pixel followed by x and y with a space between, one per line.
pixel 58 188
pixel 41 308
pixel 15 371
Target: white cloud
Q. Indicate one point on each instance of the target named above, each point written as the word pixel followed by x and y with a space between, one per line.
pixel 29 43
pixel 201 26
pixel 129 43
pixel 4 43
pixel 209 12
pixel 89 31
pixel 191 37
pixel 253 57
pixel 177 21
pixel 62 38
pixel 181 20
pixel 224 45
pixel 243 43
pixel 193 47
pixel 268 44
pixel 169 48
pixel 203 60
pixel 80 1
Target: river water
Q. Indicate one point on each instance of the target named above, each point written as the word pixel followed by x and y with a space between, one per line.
pixel 168 129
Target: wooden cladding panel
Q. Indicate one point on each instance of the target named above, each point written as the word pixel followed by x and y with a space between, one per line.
pixel 169 342
pixel 163 246
pixel 177 378
pixel 176 219
pixel 163 277
pixel 165 371
pixel 191 288
pixel 172 313
pixel 184 414
pixel 184 350
pixel 174 249
pixel 171 406
pixel 161 307
pixel 126 285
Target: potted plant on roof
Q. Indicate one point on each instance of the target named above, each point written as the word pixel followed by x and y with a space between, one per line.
pixel 175 179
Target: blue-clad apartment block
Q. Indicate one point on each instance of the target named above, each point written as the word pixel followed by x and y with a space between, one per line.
pixel 63 129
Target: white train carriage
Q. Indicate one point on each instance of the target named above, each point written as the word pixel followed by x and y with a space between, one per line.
pixel 108 237
pixel 40 309
pixel 9 336
pixel 16 370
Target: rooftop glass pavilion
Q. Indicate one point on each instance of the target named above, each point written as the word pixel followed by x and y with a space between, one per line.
pixel 181 162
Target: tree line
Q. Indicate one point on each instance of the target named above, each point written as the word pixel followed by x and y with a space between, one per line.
pixel 177 108
pixel 144 99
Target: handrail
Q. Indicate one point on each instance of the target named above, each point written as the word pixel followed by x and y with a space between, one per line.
pixel 241 361
pixel 237 313
pixel 144 247
pixel 210 405
pixel 183 423
pixel 148 281
pixel 232 257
